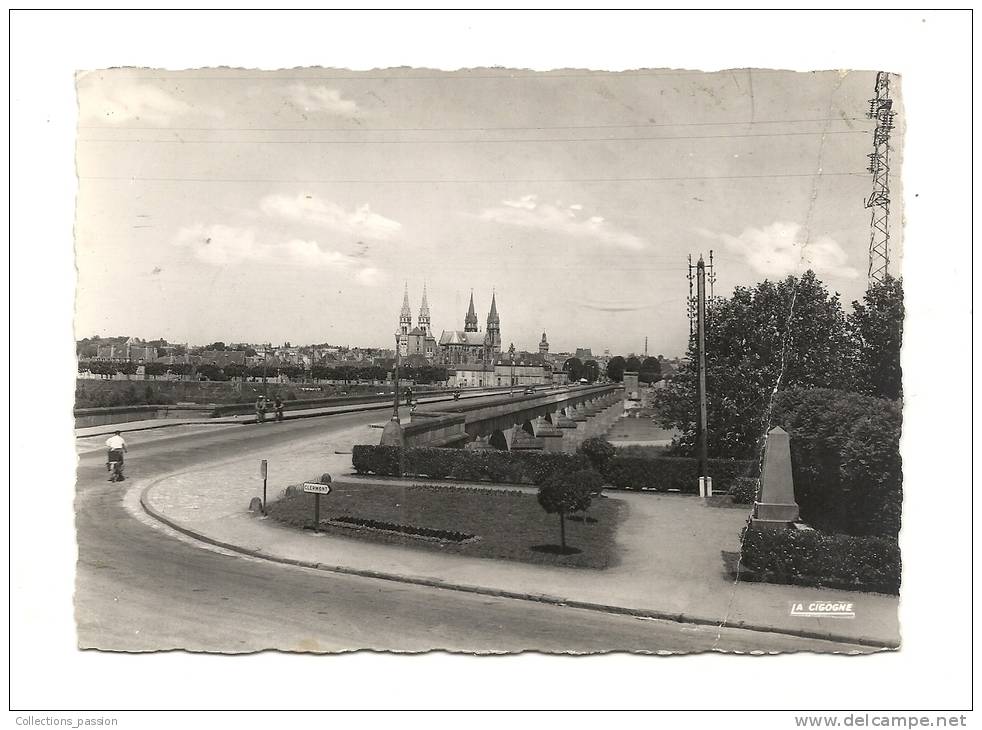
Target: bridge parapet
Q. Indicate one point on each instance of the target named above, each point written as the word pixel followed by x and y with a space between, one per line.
pixel 453 426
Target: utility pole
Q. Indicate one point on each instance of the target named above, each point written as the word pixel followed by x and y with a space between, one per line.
pixel 395 385
pixel 701 327
pixel 880 109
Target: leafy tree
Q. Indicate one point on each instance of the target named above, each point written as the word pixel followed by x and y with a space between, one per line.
pixel 590 371
pixel 565 493
pixel 845 455
pixel 876 327
pixel 753 343
pixel 615 369
pixel 650 370
pixel 632 364
pixel 215 346
pixel 573 367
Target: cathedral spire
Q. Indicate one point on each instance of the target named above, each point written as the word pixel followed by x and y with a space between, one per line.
pixel 470 321
pixel 405 314
pixel 406 311
pixel 494 327
pixel 424 313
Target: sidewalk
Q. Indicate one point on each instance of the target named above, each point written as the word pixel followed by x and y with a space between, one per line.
pixel 672 563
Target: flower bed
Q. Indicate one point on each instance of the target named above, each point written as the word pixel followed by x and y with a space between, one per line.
pixel 505 524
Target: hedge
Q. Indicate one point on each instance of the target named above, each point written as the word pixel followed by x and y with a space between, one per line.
pixel 817 559
pixel 535 467
pixel 494 466
pixel 665 473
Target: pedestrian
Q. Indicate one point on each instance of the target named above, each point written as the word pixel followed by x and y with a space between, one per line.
pixel 115 448
pixel 261 409
pixel 278 407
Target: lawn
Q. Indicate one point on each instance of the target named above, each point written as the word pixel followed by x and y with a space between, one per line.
pixel 506 525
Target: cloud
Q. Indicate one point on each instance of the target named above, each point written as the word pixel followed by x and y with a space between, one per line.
pixel 361 222
pixel 321 99
pixel 528 212
pixel 778 249
pixel 223 245
pixel 121 101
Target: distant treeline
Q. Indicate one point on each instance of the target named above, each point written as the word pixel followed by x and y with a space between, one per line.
pixel 420 374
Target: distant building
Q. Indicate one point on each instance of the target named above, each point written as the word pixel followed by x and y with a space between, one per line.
pixel 416 341
pixel 544 346
pixel 469 346
pixel 221 358
pixel 583 354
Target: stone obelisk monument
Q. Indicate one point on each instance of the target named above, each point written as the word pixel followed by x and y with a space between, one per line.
pixel 777 508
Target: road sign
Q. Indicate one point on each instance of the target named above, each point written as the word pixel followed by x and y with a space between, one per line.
pixel 262 468
pixel 316 488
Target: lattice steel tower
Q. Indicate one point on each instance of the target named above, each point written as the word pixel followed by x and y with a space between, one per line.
pixel 880 109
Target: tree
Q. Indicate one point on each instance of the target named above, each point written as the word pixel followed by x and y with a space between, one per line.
pixel 573 368
pixel 632 365
pixel 215 346
pixel 845 456
pixel 615 369
pixel 876 328
pixel 754 343
pixel 650 370
pixel 599 451
pixel 590 371
pixel 565 493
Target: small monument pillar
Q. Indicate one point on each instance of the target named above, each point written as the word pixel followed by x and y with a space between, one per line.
pixel 777 508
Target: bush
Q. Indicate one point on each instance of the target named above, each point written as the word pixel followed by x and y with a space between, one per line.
pixel 662 474
pixel 465 465
pixel 744 490
pixel 845 455
pixel 599 451
pixel 812 558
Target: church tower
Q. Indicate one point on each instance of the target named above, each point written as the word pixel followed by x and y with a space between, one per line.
pixel 544 345
pixel 470 321
pixel 424 314
pixel 494 328
pixel 406 315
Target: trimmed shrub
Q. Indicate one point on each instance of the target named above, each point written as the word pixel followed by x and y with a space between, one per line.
pixel 662 474
pixel 812 558
pixel 744 490
pixel 599 451
pixel 537 467
pixel 464 465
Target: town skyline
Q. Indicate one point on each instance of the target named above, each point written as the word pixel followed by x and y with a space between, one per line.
pixel 294 205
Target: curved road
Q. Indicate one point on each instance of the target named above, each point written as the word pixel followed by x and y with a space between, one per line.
pixel 141 586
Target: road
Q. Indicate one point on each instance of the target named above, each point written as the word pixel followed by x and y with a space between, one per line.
pixel 141 586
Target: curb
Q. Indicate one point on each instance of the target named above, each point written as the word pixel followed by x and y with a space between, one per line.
pixel 500 593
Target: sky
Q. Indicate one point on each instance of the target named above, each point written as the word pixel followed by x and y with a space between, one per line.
pixel 242 205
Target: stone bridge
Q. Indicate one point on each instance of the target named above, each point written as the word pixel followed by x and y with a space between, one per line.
pixel 551 421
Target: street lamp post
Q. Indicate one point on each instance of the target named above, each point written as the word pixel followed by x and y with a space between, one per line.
pixel 511 360
pixel 395 385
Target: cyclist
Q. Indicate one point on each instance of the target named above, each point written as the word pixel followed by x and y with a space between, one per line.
pixel 115 448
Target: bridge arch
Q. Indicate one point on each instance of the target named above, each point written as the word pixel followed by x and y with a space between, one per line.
pixel 499 440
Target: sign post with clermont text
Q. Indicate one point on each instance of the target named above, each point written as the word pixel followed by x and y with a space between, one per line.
pixel 317 490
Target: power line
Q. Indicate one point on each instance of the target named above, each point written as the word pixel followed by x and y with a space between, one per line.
pixel 351 181
pixel 473 141
pixel 472 129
